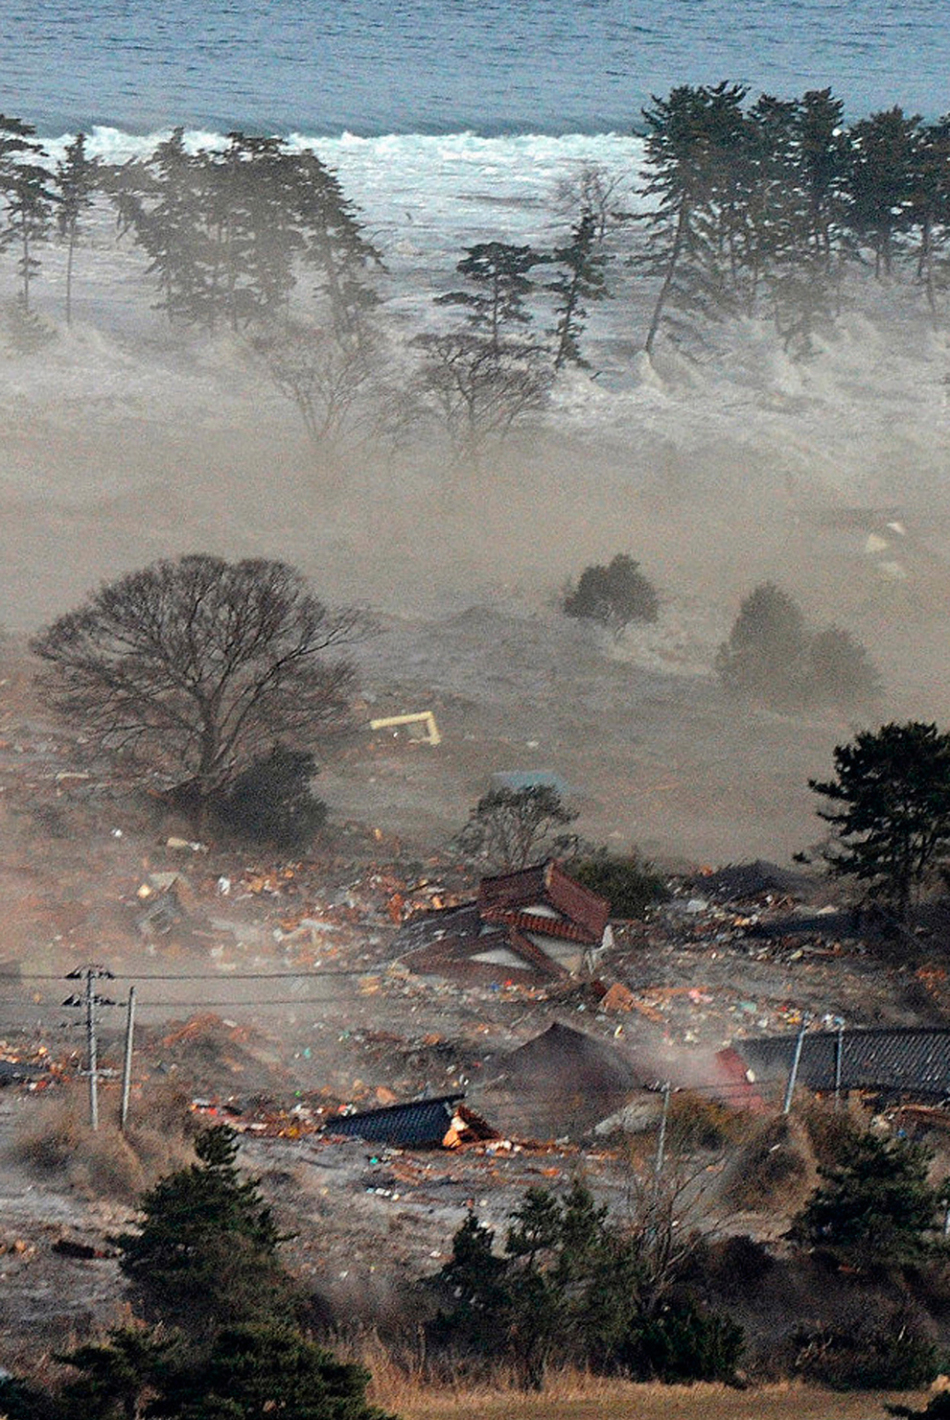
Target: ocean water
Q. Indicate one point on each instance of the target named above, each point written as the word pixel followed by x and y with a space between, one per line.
pixel 492 67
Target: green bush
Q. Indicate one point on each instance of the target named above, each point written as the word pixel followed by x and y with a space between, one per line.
pixel 272 802
pixel 684 1344
pixel 613 596
pixel 772 656
pixel 630 884
pixel 893 1353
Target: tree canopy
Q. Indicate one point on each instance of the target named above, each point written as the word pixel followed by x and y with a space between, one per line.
pixel 890 809
pixel 874 1206
pixel 192 668
pixel 514 828
pixel 205 1253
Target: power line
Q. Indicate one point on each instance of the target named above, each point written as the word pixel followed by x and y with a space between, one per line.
pixel 215 975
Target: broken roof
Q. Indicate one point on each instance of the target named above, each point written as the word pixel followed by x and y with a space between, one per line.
pixel 915 1060
pixel 419 1124
pixel 505 931
pixel 546 885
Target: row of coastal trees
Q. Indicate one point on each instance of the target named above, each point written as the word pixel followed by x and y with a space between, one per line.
pixel 743 208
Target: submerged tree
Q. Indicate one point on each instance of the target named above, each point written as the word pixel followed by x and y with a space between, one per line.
pixel 513 828
pixel 187 667
pixel 695 148
pixel 76 179
pixel 229 232
pixel 27 187
pixel 271 801
pixel 498 272
pixel 613 595
pixel 581 280
pixel 479 391
pixel 329 375
pixel 882 181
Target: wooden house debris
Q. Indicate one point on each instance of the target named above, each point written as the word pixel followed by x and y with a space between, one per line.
pixel 534 925
pixel 441 1122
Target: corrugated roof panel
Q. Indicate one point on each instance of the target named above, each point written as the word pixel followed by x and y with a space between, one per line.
pixel 915 1060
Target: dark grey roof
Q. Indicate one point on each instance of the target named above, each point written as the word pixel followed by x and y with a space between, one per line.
pixel 11 1070
pixel 743 880
pixel 913 1061
pixel 411 1125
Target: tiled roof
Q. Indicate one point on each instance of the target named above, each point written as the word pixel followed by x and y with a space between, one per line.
pixel 547 882
pixel 545 926
pixel 915 1061
pixel 414 1125
pixel 502 917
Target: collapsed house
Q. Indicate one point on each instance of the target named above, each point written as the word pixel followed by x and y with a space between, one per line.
pixel 441 1122
pixel 531 926
pixel 911 1063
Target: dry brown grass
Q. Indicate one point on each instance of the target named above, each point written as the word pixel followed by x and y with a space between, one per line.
pixel 399 1387
pixel 774 1169
pixel 590 1399
pixel 55 1142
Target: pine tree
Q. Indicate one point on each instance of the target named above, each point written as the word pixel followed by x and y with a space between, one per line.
pixel 205 1254
pixel 695 152
pixel 27 186
pixel 581 280
pixel 263 1371
pixel 875 1206
pixel 117 1376
pixel 890 810
pixel 76 178
pixel 885 157
pixel 499 272
pixel 930 205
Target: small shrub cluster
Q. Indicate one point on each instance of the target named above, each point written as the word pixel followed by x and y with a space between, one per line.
pixel 630 884
pixel 698 1123
pixel 876 1353
pixel 272 801
pixel 772 656
pixel 573 1287
pixel 613 595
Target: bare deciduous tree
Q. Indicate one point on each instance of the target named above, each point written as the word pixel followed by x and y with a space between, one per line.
pixel 513 828
pixel 326 374
pixel 192 667
pixel 479 390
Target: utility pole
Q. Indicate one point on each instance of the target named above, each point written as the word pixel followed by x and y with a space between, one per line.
pixel 796 1061
pixel 839 1054
pixel 127 1060
pixel 90 1000
pixel 661 1138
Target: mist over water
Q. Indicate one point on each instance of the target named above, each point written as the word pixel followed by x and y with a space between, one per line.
pixel 443 66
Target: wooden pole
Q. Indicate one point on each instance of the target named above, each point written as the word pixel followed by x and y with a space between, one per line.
pixel 91 1048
